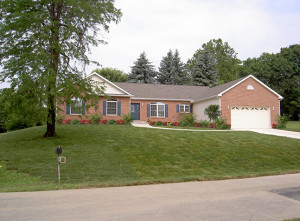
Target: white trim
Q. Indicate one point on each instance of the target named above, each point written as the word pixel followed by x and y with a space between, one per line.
pixel 251 76
pixel 160 99
pixel 103 78
pixel 116 108
pixel 157 104
pixel 73 99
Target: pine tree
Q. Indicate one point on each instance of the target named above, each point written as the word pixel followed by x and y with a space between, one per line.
pixel 143 71
pixel 172 70
pixel 181 76
pixel 203 69
pixel 166 73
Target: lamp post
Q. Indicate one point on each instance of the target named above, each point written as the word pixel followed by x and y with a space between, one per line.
pixel 58 152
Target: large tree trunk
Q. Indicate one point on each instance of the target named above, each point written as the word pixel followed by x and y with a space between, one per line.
pixel 55 12
pixel 51 117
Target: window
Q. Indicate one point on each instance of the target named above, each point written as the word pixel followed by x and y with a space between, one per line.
pixel 111 107
pixel 157 109
pixel 250 87
pixel 76 106
pixel 184 108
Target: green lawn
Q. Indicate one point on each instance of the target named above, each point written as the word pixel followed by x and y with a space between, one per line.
pixel 112 155
pixel 293 126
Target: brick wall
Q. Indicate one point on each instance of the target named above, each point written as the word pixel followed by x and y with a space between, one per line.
pixel 240 96
pixel 125 109
pixel 172 115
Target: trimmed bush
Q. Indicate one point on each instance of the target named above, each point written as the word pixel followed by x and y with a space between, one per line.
pixel 95 118
pixel 158 123
pixel 75 122
pixel 281 120
pixel 127 118
pixel 111 121
pixel 188 120
pixel 204 123
pixel 212 111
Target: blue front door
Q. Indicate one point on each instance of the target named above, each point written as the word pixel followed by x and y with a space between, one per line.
pixel 135 111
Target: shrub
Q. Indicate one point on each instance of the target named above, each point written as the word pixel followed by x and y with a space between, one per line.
pixel 212 111
pixel 225 126
pixel 158 123
pixel 66 121
pixel 75 122
pixel 274 126
pixel 103 122
pixel 85 121
pixel 59 119
pixel 282 120
pixel 152 123
pixel 220 122
pixel 188 120
pixel 212 125
pixel 95 118
pixel 204 123
pixel 127 118
pixel 175 124
pixel 111 121
pixel 120 122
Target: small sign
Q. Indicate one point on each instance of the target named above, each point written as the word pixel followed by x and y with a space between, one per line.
pixel 62 159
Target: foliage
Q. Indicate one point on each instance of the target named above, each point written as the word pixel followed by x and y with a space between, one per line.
pixel 158 123
pixel 187 120
pixel 84 121
pixel 172 70
pixel 103 121
pixel 111 121
pixel 112 74
pixel 2 122
pixel 75 122
pixel 203 123
pixel 281 72
pixel 127 118
pixel 221 123
pixel 59 119
pixel 203 69
pixel 226 59
pixel 212 111
pixel 20 107
pixel 46 43
pixel 95 118
pixel 282 121
pixel 142 71
pixel 120 122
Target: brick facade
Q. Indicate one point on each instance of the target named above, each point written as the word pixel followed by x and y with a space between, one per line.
pixel 241 96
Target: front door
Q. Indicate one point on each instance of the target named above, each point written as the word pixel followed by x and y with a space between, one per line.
pixel 135 111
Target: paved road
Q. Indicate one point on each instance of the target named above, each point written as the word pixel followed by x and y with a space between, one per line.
pixel 263 198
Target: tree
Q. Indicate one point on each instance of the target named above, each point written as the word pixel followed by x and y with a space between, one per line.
pixel 212 111
pixel 227 63
pixel 280 72
pixel 143 71
pixel 172 70
pixel 202 68
pixel 47 41
pixel 112 74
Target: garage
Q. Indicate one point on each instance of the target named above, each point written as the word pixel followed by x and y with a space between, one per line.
pixel 250 117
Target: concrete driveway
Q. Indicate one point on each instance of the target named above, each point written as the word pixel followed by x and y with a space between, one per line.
pixel 276 132
pixel 263 198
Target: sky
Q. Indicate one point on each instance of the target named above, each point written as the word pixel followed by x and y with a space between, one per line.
pixel 251 27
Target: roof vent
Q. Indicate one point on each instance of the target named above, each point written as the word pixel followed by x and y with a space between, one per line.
pixel 250 87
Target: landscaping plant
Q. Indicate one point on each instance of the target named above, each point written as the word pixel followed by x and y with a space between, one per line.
pixel 127 118
pixel 95 118
pixel 281 120
pixel 212 111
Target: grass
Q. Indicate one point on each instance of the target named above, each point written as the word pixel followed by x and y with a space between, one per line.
pixel 293 126
pixel 113 155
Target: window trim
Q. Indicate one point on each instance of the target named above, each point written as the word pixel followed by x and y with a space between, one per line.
pixel 112 101
pixel 184 108
pixel 158 104
pixel 75 99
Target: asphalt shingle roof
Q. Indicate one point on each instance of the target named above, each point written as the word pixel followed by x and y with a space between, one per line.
pixel 174 92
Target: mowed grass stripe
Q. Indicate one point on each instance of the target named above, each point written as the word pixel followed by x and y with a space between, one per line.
pixel 109 155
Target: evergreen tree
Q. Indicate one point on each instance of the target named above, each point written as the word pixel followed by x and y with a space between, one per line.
pixel 172 70
pixel 181 76
pixel 166 73
pixel 203 69
pixel 46 40
pixel 143 71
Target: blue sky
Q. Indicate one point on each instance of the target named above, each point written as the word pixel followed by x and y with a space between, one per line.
pixel 251 27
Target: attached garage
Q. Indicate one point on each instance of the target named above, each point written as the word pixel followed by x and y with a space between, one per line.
pixel 246 117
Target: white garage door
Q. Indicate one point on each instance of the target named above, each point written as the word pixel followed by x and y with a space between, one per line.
pixel 250 117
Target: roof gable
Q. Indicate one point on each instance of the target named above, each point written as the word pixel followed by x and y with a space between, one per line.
pixel 251 76
pixel 110 88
